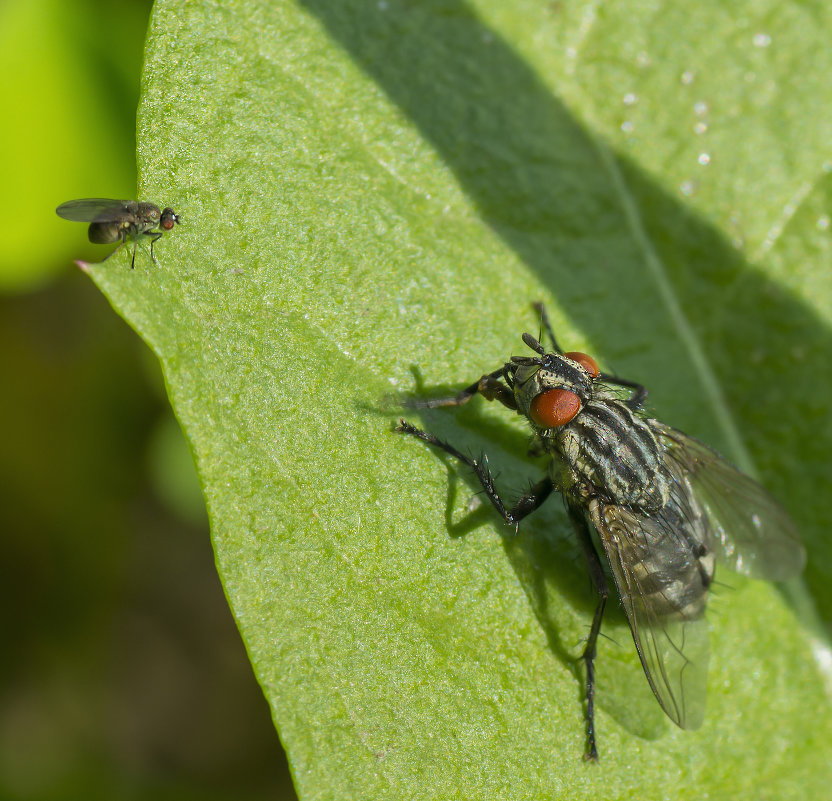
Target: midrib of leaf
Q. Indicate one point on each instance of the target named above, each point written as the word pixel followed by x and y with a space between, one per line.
pixel 791 208
pixel 588 18
pixel 658 272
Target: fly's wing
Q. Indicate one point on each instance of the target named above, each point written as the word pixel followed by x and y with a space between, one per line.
pixel 752 533
pixel 662 577
pixel 94 209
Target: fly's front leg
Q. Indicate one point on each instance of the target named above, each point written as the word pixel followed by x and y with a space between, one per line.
pixel 524 506
pixel 599 584
pixel 639 396
pixel 489 386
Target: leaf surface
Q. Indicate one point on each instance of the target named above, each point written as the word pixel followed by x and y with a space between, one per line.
pixel 372 194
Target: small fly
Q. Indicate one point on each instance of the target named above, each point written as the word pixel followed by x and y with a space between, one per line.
pixel 664 506
pixel 114 220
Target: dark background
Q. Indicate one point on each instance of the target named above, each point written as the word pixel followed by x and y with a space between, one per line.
pixel 123 675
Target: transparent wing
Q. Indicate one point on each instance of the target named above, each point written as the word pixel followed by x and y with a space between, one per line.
pixel 662 579
pixel 94 209
pixel 752 533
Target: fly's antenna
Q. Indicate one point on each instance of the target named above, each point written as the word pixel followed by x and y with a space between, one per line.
pixel 534 344
pixel 546 325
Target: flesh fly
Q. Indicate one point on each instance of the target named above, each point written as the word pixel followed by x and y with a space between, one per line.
pixel 665 508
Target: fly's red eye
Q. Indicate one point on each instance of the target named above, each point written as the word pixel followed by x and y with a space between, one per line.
pixel 587 362
pixel 167 223
pixel 555 407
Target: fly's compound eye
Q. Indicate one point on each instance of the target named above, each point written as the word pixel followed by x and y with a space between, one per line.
pixel 555 407
pixel 587 362
pixel 169 217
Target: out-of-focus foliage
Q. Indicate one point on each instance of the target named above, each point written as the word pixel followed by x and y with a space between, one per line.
pixel 122 675
pixel 68 95
pixel 122 670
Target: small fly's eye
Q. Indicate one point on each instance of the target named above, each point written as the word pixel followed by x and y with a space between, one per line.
pixel 169 218
pixel 587 362
pixel 555 407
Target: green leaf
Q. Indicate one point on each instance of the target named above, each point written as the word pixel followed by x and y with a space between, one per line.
pixel 372 195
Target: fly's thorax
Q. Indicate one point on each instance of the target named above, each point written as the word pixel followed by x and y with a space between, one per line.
pixel 148 215
pixel 616 455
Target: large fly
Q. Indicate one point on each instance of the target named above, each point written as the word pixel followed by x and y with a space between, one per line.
pixel 665 508
pixel 114 220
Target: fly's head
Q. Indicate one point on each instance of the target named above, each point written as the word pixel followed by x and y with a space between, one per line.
pixel 551 388
pixel 168 219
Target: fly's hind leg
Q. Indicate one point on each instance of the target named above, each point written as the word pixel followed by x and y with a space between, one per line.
pixel 530 501
pixel 118 248
pixel 599 584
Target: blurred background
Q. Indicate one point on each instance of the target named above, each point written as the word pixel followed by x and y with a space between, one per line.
pixel 123 675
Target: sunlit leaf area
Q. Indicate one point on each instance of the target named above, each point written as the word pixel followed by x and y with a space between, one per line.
pixel 217 543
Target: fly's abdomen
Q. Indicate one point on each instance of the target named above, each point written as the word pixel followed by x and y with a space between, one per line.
pixel 104 233
pixel 618 453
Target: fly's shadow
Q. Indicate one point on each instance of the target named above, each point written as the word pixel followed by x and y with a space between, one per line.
pixel 542 552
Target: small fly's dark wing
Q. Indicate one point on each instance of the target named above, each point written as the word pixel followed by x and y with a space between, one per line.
pixel 94 209
pixel 752 533
pixel 662 571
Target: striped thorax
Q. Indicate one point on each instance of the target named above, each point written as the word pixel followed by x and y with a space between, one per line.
pixel 607 448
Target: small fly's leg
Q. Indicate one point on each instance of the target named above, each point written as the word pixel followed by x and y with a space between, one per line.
pixel 599 584
pixel 488 386
pixel 547 326
pixel 639 396
pixel 110 255
pixel 153 238
pixel 524 506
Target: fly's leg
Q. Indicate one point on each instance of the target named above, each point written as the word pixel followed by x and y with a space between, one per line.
pixel 120 246
pixel 153 238
pixel 488 386
pixel 135 245
pixel 639 396
pixel 599 584
pixel 530 501
pixel 547 326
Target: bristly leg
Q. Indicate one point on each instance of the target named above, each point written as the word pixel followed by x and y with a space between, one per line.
pixel 639 396
pixel 525 505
